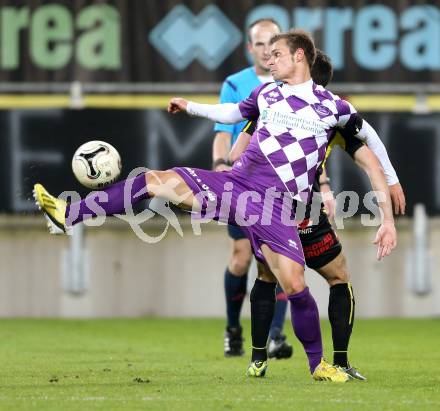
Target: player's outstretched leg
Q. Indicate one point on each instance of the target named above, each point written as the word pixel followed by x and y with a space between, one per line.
pixel 54 210
pixel 61 216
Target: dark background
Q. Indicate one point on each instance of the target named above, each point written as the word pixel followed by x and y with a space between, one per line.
pixel 152 138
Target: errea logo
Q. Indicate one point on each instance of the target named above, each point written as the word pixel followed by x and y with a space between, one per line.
pixel 293 244
pixel 208 37
pixel 272 97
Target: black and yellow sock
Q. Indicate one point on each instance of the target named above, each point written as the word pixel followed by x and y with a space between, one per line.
pixel 262 308
pixel 341 315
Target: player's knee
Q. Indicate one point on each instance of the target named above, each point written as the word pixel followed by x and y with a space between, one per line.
pixel 241 257
pixel 340 272
pixel 339 278
pixel 167 184
pixel 155 181
pixel 239 266
pixel 157 177
pixel 295 286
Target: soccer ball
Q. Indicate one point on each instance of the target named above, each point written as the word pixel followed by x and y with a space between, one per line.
pixel 96 164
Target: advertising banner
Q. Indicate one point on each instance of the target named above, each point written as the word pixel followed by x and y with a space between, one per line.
pixel 204 41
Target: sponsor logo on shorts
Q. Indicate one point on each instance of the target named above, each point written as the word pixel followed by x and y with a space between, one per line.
pixel 305 223
pixel 320 247
pixel 203 186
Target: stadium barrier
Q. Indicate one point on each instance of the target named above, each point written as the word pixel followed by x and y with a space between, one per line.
pixel 180 277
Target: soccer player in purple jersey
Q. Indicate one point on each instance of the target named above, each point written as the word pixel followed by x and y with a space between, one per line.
pixel 296 118
pixel 321 246
pixel 235 88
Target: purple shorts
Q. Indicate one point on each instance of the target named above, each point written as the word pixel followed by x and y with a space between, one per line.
pixel 265 219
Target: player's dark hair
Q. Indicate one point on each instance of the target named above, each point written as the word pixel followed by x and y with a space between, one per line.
pixel 298 39
pixel 263 20
pixel 322 69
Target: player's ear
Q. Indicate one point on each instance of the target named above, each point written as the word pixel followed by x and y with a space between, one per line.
pixel 299 55
pixel 249 46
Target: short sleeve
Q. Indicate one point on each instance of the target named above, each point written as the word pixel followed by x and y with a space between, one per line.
pixel 249 107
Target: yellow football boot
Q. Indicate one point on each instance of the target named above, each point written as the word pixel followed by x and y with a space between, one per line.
pixel 54 210
pixel 257 369
pixel 327 372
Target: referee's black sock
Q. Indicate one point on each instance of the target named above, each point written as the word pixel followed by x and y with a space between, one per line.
pixel 341 315
pixel 262 308
pixel 235 291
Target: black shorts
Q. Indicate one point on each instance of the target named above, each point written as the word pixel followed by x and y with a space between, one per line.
pixel 320 243
pixel 236 233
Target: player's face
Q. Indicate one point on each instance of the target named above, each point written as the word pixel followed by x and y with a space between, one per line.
pixel 282 62
pixel 259 46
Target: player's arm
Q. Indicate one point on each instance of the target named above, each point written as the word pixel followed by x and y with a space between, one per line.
pixel 220 150
pixel 327 194
pixel 222 140
pixel 356 125
pixel 227 113
pixel 369 135
pixel 386 237
pixel 242 141
pixel 351 145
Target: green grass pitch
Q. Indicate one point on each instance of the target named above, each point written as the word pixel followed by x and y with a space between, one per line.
pixel 162 364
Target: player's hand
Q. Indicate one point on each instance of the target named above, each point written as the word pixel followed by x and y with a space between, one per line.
pixel 223 167
pixel 177 105
pixel 398 198
pixel 329 200
pixel 386 239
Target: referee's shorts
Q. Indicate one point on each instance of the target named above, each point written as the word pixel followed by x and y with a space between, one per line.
pixel 236 233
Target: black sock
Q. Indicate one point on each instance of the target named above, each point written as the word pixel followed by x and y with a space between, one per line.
pixel 235 291
pixel 262 309
pixel 341 315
